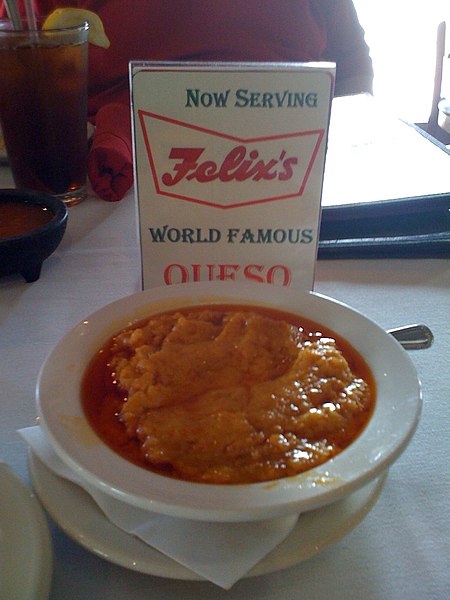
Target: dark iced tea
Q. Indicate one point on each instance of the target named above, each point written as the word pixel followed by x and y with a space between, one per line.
pixel 43 109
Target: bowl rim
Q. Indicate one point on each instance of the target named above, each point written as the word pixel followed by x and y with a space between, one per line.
pixel 362 461
pixel 34 198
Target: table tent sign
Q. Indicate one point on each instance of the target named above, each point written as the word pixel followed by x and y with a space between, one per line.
pixel 229 161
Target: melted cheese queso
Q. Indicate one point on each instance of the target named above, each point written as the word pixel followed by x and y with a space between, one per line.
pixel 228 394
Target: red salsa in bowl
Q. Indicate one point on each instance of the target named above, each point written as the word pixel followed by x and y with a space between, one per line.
pixel 32 225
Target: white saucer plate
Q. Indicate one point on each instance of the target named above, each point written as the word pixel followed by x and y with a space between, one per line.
pixel 82 520
pixel 25 543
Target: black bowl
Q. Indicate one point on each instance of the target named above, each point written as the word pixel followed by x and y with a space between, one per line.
pixel 25 253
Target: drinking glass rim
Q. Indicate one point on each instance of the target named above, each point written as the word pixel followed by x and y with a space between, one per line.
pixel 6 28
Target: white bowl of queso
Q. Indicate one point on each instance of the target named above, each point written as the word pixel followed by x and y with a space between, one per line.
pixel 393 418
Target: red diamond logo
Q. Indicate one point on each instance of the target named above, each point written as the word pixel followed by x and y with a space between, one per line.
pixel 208 167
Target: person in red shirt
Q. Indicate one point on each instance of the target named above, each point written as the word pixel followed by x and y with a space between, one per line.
pixel 204 30
pixel 225 30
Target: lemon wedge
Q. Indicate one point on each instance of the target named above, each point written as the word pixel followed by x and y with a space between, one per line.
pixel 69 17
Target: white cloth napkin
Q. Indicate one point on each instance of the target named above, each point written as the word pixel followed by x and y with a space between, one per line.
pixel 219 552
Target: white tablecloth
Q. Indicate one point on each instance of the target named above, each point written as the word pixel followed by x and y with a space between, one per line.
pixel 400 551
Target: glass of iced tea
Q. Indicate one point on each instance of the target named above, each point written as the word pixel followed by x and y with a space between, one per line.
pixel 43 108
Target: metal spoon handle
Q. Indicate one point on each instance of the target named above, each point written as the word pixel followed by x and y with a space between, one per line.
pixel 413 337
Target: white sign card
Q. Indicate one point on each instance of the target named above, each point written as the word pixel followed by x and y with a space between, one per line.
pixel 229 162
